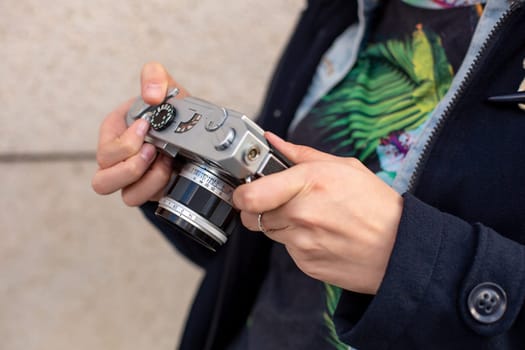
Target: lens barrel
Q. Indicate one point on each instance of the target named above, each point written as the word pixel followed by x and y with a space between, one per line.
pixel 199 204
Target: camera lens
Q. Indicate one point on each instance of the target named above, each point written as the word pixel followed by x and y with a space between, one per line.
pixel 199 204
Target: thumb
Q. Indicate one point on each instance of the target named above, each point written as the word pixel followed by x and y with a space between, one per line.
pixel 154 81
pixel 296 153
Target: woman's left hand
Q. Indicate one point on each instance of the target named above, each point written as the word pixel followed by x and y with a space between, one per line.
pixel 337 219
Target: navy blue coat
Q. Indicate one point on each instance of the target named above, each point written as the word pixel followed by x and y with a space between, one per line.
pixel 456 276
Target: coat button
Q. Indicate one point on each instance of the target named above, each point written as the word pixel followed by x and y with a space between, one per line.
pixel 487 302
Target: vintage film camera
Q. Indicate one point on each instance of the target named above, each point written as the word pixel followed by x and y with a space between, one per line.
pixel 215 150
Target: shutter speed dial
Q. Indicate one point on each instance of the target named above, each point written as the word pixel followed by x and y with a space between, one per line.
pixel 162 116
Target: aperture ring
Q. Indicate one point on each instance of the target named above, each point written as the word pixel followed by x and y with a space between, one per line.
pixel 193 218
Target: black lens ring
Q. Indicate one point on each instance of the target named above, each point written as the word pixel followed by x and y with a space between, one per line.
pixel 183 226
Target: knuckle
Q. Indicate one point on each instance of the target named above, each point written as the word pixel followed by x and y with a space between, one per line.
pixel 101 160
pixel 308 172
pixel 103 156
pixel 245 219
pixel 354 162
pixel 302 216
pixel 129 198
pixel 312 271
pixel 128 145
pixel 307 265
pixel 244 198
pixel 134 169
pixel 156 181
pixel 306 244
pixel 162 177
pixel 161 172
pixel 98 185
pixel 105 161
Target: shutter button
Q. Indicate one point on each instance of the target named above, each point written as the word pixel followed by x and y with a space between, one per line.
pixel 487 302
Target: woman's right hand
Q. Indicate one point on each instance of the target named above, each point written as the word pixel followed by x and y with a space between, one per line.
pixel 125 162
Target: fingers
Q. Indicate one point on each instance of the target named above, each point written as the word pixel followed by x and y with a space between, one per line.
pixel 311 166
pixel 125 162
pixel 272 191
pixel 124 173
pixel 155 81
pixel 285 185
pixel 116 141
pixel 114 124
pixel 282 232
pixel 297 153
pixel 153 181
pixel 111 151
pixel 255 197
pixel 271 222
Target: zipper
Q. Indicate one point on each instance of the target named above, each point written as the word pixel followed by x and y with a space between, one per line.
pixel 471 72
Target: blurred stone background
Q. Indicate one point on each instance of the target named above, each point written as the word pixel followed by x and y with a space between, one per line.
pixel 80 271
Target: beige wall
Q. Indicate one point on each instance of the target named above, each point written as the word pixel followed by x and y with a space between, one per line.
pixel 79 271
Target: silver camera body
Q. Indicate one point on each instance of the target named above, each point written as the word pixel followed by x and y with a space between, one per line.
pixel 216 149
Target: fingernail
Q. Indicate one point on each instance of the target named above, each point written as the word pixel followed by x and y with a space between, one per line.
pixel 142 127
pixel 147 152
pixel 153 90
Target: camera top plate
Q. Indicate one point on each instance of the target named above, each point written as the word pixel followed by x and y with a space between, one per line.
pixel 198 129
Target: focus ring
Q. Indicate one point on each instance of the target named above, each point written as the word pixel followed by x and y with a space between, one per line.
pixel 195 206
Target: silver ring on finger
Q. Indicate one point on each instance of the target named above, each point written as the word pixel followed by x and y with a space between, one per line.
pixel 260 224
